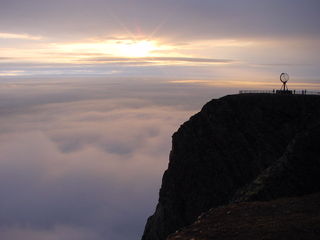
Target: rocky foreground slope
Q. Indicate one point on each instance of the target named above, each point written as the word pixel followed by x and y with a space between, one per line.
pixel 289 218
pixel 239 148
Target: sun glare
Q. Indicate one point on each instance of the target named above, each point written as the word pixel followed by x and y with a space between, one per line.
pixel 114 48
pixel 137 49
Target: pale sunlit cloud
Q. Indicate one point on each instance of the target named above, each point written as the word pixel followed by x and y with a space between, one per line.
pixel 237 57
pixel 256 84
pixel 11 73
pixel 119 51
pixel 69 52
pixel 117 48
pixel 160 60
pixel 19 36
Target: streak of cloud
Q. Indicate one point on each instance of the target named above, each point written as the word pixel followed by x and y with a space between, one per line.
pixel 161 60
pixel 19 36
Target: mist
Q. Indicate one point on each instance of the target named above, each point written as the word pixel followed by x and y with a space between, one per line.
pixel 83 159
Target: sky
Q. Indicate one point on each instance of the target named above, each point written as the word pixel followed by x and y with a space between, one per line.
pixel 232 40
pixel 91 92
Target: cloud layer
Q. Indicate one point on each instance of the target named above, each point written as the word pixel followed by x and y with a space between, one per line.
pixel 83 160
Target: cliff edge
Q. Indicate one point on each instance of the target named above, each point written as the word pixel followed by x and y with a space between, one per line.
pixel 245 147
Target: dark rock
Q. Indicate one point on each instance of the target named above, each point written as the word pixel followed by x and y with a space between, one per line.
pixel 296 173
pixel 288 218
pixel 218 154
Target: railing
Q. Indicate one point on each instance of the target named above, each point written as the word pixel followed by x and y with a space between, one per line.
pixel 256 91
pixel 297 92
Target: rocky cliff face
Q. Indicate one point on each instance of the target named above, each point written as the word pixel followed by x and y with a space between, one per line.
pixel 238 148
pixel 295 173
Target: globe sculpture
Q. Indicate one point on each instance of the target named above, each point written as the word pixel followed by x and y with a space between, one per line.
pixel 284 78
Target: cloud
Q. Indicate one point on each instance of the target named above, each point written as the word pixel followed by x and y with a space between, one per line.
pixel 83 159
pixel 84 34
pixel 56 233
pixel 163 19
pixel 12 73
pixel 19 36
pixel 159 60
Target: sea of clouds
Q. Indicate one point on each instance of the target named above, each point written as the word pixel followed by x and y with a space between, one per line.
pixel 82 159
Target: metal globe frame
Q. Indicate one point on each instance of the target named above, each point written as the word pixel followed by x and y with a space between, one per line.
pixel 284 78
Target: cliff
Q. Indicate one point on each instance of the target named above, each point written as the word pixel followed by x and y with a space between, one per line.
pixel 239 148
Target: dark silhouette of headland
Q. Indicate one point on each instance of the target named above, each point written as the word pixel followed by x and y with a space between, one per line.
pixel 243 168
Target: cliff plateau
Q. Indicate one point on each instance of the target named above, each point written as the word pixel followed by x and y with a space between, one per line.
pixel 247 147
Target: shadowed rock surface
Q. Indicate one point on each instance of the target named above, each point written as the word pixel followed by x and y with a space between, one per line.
pixel 289 218
pixel 296 173
pixel 239 148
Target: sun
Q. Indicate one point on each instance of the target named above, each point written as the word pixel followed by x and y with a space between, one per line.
pixel 136 49
pixel 114 48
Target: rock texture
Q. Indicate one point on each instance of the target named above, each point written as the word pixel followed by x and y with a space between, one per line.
pixel 296 173
pixel 238 148
pixel 289 218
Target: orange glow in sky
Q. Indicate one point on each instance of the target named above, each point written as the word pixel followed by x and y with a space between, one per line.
pixel 114 48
